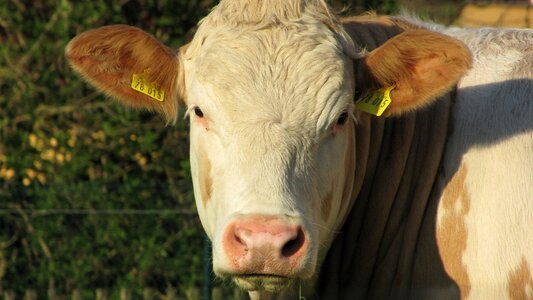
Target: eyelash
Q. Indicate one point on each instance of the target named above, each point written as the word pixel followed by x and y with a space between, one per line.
pixel 197 111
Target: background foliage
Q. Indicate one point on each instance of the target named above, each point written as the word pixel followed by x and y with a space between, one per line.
pixel 64 146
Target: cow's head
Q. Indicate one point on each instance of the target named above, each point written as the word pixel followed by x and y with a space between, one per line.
pixel 270 93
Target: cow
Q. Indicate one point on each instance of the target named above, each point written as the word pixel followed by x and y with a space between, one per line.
pixel 367 157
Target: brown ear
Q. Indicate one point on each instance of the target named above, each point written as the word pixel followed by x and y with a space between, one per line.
pixel 422 64
pixel 109 56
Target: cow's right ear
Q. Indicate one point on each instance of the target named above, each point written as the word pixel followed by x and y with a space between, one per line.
pixel 131 66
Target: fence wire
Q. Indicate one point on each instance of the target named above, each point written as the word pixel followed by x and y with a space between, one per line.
pixel 66 211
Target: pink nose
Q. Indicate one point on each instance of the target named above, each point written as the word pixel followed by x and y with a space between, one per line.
pixel 264 245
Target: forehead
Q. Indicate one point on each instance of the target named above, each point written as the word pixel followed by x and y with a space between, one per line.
pixel 277 69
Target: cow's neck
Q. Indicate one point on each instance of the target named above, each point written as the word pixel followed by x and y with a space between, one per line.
pixel 377 253
pixel 398 161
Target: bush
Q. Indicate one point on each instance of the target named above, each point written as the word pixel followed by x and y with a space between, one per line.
pixel 63 146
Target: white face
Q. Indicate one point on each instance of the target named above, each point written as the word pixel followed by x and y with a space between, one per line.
pixel 272 149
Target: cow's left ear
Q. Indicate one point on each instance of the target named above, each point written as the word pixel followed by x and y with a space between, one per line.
pixel 422 65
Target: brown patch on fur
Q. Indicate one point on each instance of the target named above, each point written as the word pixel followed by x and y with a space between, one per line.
pixel 205 179
pixel 326 204
pixel 107 58
pixel 452 233
pixel 521 281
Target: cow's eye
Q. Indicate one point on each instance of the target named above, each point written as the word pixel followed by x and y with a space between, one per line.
pixel 198 112
pixel 342 118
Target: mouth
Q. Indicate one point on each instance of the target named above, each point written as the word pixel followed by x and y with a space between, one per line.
pixel 263 282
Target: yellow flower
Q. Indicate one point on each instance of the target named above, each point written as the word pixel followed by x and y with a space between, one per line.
pixel 60 158
pixel 48 154
pixel 38 164
pixel 72 142
pixel 98 135
pixel 33 140
pixel 42 178
pixel 7 173
pixel 53 142
pixel 31 173
pixel 141 160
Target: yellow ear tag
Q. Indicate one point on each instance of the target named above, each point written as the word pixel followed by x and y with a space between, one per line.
pixel 377 102
pixel 151 89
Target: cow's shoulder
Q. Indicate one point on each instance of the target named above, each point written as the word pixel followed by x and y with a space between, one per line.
pixel 484 217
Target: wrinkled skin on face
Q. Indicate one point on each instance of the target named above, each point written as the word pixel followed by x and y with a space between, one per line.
pixel 272 144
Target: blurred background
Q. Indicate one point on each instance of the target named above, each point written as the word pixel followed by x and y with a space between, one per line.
pixel 96 200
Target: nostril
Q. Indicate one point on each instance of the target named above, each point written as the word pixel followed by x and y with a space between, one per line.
pixel 294 245
pixel 245 236
pixel 241 238
pixel 238 240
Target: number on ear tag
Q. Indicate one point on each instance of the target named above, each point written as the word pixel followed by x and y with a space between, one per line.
pixel 377 102
pixel 151 89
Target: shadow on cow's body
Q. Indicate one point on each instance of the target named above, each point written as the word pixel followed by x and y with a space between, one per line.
pixel 388 248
